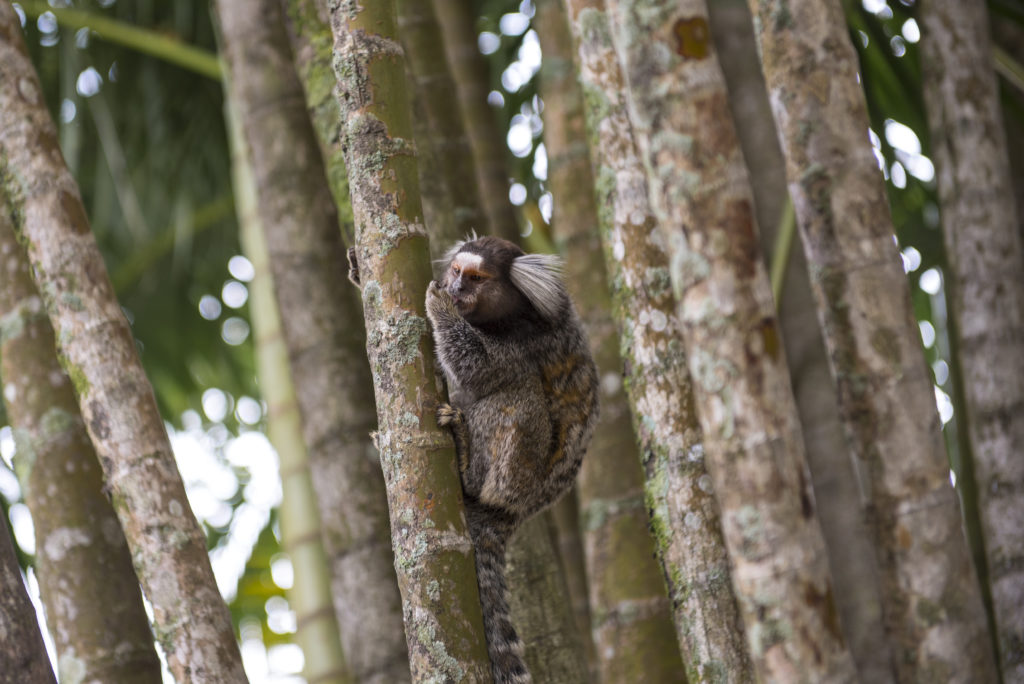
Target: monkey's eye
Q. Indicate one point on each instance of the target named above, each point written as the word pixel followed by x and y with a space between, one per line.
pixel 456 270
pixel 476 278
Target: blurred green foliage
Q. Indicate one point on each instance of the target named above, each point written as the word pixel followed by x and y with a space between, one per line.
pixel 523 100
pixel 146 142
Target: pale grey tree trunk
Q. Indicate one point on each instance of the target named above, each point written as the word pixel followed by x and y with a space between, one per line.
pixel 839 496
pixel 433 551
pixel 754 447
pixel 93 604
pixel 985 289
pixel 632 617
pixel 930 595
pixel 115 398
pixel 319 316
pixel 684 514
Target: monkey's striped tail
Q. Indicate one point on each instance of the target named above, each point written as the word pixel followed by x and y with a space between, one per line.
pixel 491 529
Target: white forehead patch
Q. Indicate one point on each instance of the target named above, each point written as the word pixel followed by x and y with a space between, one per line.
pixel 468 260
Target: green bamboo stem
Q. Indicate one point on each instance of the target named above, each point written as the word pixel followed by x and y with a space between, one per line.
pixel 781 249
pixel 317 631
pixel 1009 68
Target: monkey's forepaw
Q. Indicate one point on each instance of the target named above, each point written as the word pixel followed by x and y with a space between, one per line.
pixel 453 419
pixel 353 267
pixel 448 416
pixel 439 302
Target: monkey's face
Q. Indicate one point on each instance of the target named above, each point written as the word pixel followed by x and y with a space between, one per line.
pixel 480 293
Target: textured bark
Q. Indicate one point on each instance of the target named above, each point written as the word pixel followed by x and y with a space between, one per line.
pixel 115 398
pixel 316 630
pixel 487 142
pixel 680 501
pixel 86 580
pixel 319 316
pixel 433 552
pixel 565 515
pixel 311 43
pixel 540 606
pixel 986 259
pixel 22 652
pixel 424 47
pixel 837 490
pixel 632 617
pixel 932 608
pixel 753 444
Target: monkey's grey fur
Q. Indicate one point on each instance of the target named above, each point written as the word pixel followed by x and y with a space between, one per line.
pixel 524 401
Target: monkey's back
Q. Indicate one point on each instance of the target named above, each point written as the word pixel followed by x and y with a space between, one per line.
pixel 528 435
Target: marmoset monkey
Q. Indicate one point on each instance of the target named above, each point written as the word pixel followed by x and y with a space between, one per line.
pixel 523 391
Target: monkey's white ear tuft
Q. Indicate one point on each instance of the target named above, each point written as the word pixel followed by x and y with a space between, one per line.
pixel 539 277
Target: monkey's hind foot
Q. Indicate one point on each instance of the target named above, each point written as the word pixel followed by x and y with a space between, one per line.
pixel 448 416
pixel 452 418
